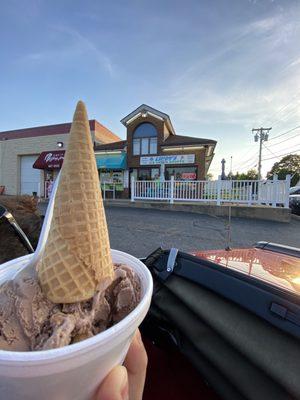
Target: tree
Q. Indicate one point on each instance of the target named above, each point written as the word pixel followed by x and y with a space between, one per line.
pixel 287 165
pixel 251 175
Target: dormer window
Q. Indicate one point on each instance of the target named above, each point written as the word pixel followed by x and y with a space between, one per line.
pixel 144 139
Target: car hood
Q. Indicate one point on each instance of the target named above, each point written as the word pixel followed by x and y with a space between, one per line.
pixel 277 269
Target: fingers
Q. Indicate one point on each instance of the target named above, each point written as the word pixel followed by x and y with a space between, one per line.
pixel 136 364
pixel 114 386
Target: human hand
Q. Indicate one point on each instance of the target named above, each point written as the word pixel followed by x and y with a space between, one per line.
pixel 127 382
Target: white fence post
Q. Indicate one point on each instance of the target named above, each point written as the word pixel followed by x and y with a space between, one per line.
pixel 132 186
pixel 270 192
pixel 250 194
pixel 219 183
pixel 172 190
pixel 287 190
pixel 274 191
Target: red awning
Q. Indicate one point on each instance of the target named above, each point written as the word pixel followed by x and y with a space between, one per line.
pixel 50 160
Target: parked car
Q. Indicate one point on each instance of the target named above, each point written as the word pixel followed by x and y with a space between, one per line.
pixel 294 199
pixel 294 202
pixel 294 190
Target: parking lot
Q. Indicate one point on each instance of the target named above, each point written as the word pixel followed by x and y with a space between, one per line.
pixel 139 231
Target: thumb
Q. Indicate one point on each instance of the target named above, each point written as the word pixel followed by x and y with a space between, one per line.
pixel 114 386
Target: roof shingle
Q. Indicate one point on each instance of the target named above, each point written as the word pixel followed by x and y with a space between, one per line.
pixel 101 132
pixel 177 140
pixel 120 145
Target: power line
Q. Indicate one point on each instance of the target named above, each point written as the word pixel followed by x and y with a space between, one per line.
pixel 246 167
pixel 286 149
pixel 281 155
pixel 239 158
pixel 285 140
pixel 271 152
pixel 285 133
pixel 245 163
pixel 285 117
pixel 281 109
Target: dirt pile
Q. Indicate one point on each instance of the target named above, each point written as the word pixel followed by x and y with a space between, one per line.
pixel 24 210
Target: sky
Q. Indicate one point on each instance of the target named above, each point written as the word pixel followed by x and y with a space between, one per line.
pixel 218 67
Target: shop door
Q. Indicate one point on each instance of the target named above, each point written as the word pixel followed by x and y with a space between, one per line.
pixel 30 178
pixel 144 174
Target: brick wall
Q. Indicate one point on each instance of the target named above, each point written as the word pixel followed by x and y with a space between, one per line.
pixel 134 161
pixel 163 133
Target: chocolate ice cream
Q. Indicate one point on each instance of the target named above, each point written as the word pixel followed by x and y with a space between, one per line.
pixel 29 321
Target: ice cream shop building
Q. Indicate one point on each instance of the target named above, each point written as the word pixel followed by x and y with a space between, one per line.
pixel 30 159
pixel 153 150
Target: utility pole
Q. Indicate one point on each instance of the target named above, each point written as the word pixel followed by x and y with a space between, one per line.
pixel 261 135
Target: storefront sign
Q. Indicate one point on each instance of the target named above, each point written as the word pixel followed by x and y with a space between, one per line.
pixel 173 159
pixel 50 160
pixel 188 176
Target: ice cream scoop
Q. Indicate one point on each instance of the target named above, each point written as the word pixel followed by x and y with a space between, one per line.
pixel 29 321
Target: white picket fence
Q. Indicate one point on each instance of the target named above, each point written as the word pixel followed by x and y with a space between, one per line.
pixel 270 192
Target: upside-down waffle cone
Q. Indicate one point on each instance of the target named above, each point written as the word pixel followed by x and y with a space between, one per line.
pixel 77 255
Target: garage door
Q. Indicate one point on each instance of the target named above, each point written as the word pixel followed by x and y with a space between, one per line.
pixel 30 177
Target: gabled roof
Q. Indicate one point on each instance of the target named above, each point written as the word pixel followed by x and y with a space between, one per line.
pixel 172 140
pixel 104 134
pixel 152 111
pixel 101 132
pixel 177 140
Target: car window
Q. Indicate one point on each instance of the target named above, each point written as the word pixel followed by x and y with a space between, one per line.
pixel 295 190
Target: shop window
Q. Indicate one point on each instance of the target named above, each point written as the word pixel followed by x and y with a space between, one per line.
pixel 144 174
pixel 182 173
pixel 145 146
pixel 154 174
pixel 145 139
pixel 153 145
pixel 145 130
pixel 136 147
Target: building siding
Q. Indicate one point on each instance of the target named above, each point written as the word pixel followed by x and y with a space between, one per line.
pixel 162 131
pixel 12 150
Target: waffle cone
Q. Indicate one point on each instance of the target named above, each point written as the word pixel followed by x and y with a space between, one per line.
pixel 77 254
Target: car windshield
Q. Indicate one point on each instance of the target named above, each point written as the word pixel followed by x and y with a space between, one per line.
pixel 295 190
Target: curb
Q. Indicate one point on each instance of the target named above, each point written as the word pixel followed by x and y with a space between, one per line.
pixel 260 213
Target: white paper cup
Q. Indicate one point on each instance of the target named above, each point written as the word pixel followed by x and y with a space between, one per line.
pixel 73 372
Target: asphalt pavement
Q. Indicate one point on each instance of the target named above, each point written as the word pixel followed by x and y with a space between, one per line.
pixel 140 231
